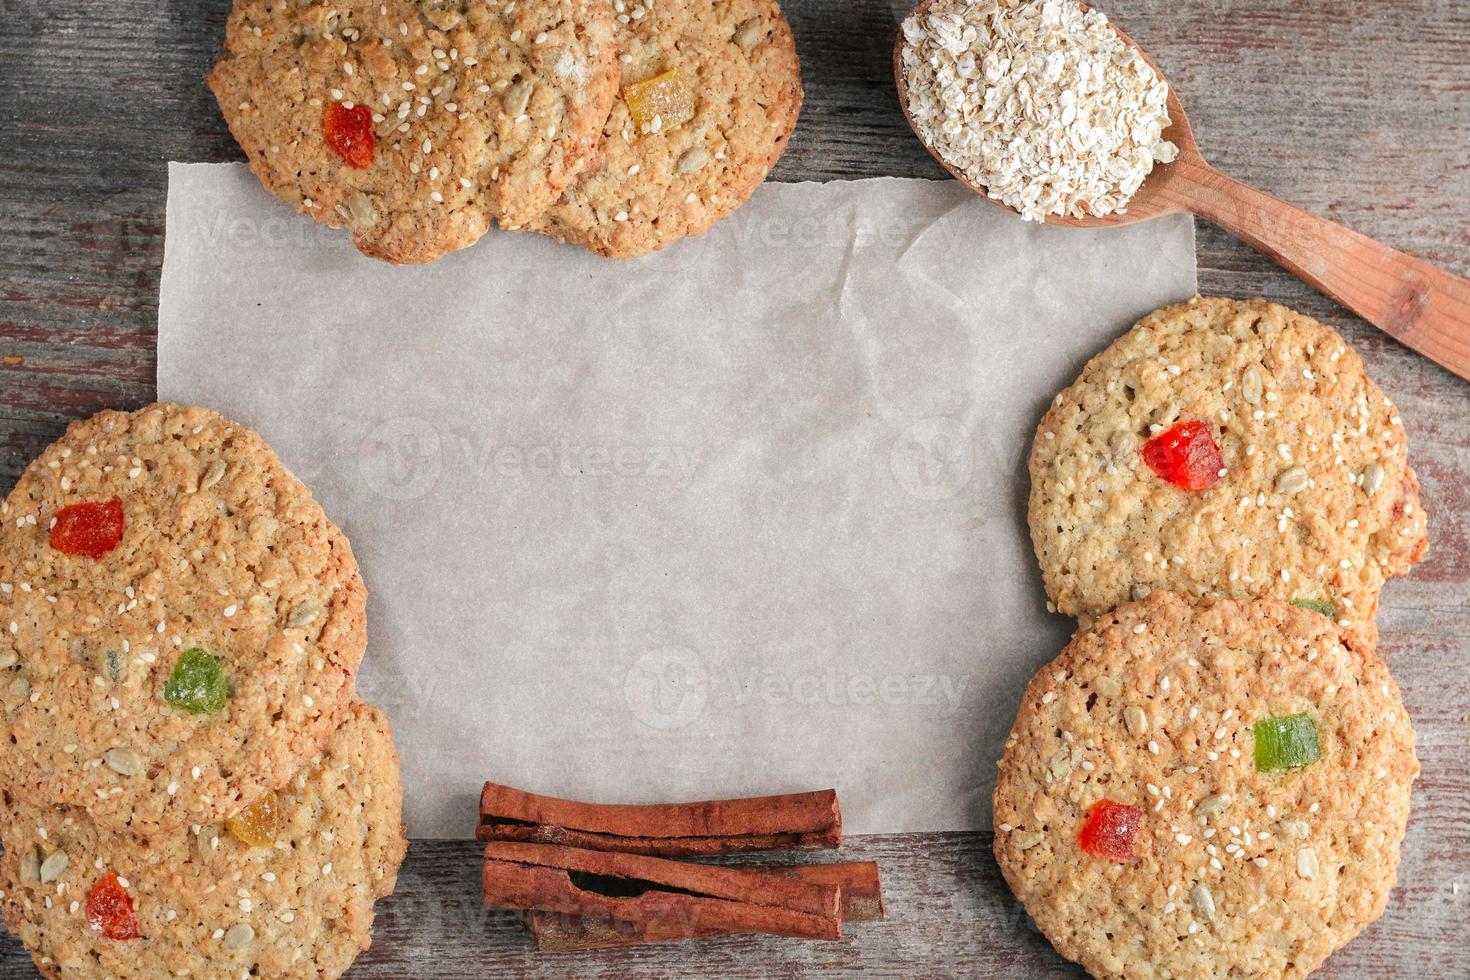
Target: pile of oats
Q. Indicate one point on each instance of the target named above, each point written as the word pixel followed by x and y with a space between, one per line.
pixel 1038 101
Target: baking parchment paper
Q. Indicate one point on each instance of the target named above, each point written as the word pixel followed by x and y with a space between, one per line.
pixel 746 516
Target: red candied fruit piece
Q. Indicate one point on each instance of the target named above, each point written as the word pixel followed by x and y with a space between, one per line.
pixel 110 909
pixel 88 530
pixel 349 133
pixel 1186 456
pixel 1110 830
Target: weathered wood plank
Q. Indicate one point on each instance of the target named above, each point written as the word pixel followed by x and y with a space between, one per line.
pixel 1360 112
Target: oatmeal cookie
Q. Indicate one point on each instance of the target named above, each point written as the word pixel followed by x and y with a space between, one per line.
pixel 1225 447
pixel 285 892
pixel 414 124
pixel 1205 788
pixel 180 624
pixel 710 93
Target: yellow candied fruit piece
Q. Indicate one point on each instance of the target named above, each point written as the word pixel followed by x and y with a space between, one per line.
pixel 660 103
pixel 259 824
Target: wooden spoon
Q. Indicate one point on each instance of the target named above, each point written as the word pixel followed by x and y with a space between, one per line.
pixel 1424 307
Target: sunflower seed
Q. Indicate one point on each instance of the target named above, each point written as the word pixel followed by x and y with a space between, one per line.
pixel 1141 592
pixel 748 34
pixel 443 14
pixel 1135 719
pixel 516 98
pixel 213 475
pixel 1306 863
pixel 1372 478
pixel 8 658
pixel 360 206
pixel 693 160
pixel 30 867
pixel 1292 481
pixel 1297 828
pixel 1107 687
pixel 124 762
pixel 1212 804
pixel 291 194
pixel 53 866
pixel 16 694
pixel 1251 388
pixel 1026 839
pixel 239 936
pixel 303 615
pixel 1204 902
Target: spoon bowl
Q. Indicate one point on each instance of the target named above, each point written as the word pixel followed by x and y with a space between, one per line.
pixel 1421 305
pixel 1148 202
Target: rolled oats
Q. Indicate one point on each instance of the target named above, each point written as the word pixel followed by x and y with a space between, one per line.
pixel 1041 103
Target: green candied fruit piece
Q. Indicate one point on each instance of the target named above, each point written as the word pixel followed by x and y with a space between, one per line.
pixel 1317 605
pixel 1286 742
pixel 198 683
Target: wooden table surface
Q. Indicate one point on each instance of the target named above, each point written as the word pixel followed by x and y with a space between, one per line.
pixel 1359 111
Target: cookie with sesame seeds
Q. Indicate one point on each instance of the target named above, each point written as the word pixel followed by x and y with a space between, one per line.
pixel 1225 447
pixel 709 95
pixel 415 123
pixel 184 623
pixel 1205 787
pixel 287 895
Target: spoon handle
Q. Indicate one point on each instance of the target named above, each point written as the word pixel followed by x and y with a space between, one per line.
pixel 1423 306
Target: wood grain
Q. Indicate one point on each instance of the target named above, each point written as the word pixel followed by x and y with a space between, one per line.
pixel 1359 112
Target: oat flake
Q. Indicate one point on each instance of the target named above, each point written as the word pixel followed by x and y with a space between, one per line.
pixel 1041 103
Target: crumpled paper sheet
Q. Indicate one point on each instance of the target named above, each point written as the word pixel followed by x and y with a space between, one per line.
pixel 746 516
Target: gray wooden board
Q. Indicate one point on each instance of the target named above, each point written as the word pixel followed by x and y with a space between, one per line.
pixel 1356 110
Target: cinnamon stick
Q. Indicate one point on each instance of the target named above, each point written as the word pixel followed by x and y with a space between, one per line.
pixel 796 820
pixel 665 899
pixel 860 898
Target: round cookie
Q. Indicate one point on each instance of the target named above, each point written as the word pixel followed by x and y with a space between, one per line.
pixel 208 904
pixel 477 111
pixel 1316 505
pixel 1234 871
pixel 202 659
pixel 651 188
